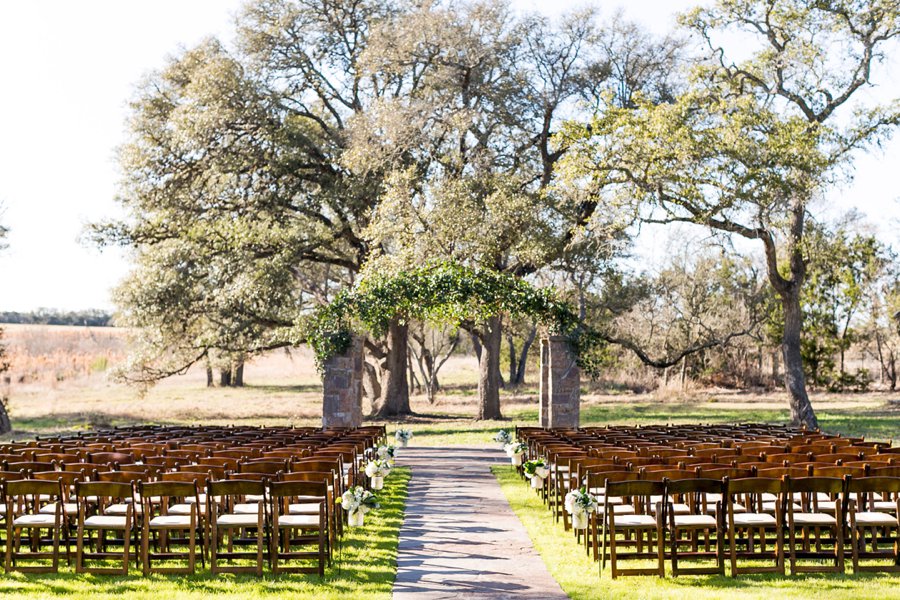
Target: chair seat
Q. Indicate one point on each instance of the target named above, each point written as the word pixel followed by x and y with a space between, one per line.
pixel 170 521
pixel 122 508
pixel 876 518
pixel 738 508
pixel 254 498
pixel 249 508
pixel 48 509
pixel 238 520
pixel 185 509
pixel 884 506
pixel 305 508
pixel 42 520
pixel 678 508
pixel 618 509
pixel 695 521
pixel 634 521
pixel 769 507
pixel 814 519
pixel 307 521
pixel 754 520
pixel 105 522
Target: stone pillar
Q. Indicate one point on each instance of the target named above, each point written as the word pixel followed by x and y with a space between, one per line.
pixel 544 387
pixel 564 389
pixel 342 383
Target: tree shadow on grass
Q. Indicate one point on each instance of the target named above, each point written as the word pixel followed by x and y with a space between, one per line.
pixel 286 389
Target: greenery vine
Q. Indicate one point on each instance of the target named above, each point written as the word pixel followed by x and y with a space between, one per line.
pixel 450 293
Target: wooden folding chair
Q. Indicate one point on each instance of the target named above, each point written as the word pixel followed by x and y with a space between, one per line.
pixel 638 524
pixel 862 493
pixel 157 499
pixel 697 495
pixel 331 508
pixel 24 501
pixel 225 521
pixel 752 519
pixel 94 497
pixel 286 495
pixel 812 521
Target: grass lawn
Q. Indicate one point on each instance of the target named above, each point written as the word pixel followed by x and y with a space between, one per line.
pixel 366 569
pixel 578 574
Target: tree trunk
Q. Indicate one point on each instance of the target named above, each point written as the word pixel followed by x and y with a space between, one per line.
pixel 489 370
pixel 371 385
pixel 414 382
pixel 513 371
pixel 210 380
pixel 225 377
pixel 394 399
pixel 476 345
pixel 523 357
pixel 237 373
pixel 802 412
pixel 5 424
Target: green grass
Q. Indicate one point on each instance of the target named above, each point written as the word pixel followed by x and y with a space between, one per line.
pixel 579 575
pixel 366 570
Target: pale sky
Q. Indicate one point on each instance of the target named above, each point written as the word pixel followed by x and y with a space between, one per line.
pixel 67 69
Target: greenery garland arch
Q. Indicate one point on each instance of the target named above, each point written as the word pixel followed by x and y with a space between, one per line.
pixel 446 292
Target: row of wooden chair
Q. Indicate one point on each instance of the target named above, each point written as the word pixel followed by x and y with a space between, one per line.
pixel 275 495
pixel 651 469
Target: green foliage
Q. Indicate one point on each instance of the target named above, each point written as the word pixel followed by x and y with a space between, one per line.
pixel 49 316
pixel 842 267
pixel 445 292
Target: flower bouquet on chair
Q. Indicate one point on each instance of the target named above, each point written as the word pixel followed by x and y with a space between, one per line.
pixel 515 451
pixel 536 470
pixel 503 438
pixel 402 436
pixel 376 471
pixel 357 502
pixel 580 504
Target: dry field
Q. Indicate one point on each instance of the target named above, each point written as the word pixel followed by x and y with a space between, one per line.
pixel 60 381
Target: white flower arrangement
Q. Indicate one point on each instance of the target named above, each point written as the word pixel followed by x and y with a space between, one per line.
pixel 536 470
pixel 403 436
pixel 580 504
pixel 503 437
pixel 386 452
pixel 515 448
pixel 378 468
pixel 515 451
pixel 357 502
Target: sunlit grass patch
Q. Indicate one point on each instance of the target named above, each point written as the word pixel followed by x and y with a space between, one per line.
pixel 579 577
pixel 364 568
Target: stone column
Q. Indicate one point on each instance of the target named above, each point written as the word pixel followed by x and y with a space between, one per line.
pixel 342 383
pixel 544 387
pixel 564 389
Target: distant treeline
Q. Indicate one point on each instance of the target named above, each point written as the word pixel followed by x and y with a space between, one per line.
pixel 49 316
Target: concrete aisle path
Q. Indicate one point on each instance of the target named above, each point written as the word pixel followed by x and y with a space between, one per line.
pixel 460 538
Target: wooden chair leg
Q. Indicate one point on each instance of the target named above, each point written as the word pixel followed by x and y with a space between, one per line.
pixel 145 550
pixel 79 549
pixel 660 556
pixel 192 548
pixel 55 562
